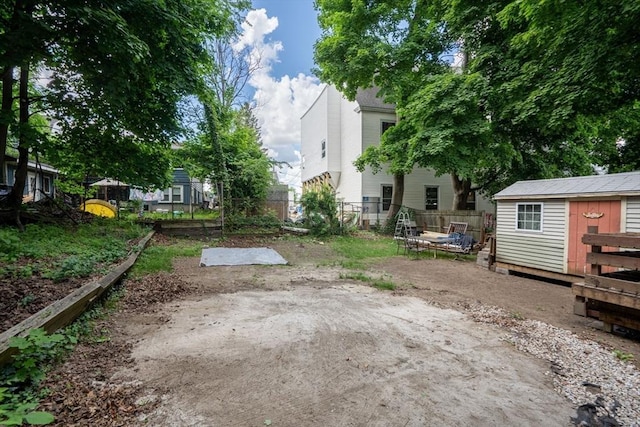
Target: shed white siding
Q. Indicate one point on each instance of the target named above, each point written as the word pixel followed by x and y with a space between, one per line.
pixel 543 250
pixel 633 215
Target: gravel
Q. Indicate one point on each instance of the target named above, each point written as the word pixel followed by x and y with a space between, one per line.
pixel 604 388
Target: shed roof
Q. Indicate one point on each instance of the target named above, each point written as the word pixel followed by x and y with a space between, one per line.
pixel 618 184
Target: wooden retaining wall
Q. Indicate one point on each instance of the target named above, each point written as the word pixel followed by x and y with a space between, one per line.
pixel 189 227
pixel 66 310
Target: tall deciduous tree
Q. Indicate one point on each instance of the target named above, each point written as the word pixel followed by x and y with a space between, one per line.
pixel 117 71
pixel 391 44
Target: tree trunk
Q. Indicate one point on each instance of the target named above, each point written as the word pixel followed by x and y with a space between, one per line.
pixel 5 116
pixel 461 189
pixel 15 197
pixel 396 196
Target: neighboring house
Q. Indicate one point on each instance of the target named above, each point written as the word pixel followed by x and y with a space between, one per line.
pixel 336 131
pixel 184 194
pixel 540 224
pixel 40 181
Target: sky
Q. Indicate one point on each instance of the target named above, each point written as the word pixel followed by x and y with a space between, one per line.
pixel 283 31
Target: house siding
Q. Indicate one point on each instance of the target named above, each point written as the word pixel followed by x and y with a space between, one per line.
pixel 545 250
pixel 350 187
pixel 314 129
pixel 348 129
pixel 633 215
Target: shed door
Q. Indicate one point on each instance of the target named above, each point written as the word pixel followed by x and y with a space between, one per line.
pixel 603 214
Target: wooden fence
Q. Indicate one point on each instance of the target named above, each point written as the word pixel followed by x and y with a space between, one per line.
pixel 438 221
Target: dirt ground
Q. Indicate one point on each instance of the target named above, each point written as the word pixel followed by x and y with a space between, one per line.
pixel 298 345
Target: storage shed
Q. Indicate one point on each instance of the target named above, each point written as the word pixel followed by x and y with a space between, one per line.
pixel 540 224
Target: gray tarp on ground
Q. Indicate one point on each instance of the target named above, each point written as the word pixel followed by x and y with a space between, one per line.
pixel 240 256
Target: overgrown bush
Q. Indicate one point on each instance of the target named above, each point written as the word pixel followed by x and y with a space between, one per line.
pixel 321 211
pixel 266 222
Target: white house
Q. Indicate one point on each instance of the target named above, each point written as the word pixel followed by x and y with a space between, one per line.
pixel 336 131
pixel 540 224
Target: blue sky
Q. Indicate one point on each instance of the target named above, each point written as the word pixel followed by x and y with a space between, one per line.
pixel 280 34
pixel 297 30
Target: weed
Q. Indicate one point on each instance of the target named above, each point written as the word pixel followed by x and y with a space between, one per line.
pixel 517 315
pixel 625 357
pixel 13 414
pixel 383 285
pixel 26 300
pixel 376 283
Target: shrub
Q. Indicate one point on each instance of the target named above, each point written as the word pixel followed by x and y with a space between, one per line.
pixel 321 211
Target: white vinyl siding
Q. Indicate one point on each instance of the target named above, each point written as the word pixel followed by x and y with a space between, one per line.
pixel 633 215
pixel 543 250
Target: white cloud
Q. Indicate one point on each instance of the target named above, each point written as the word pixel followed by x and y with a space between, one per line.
pixel 280 102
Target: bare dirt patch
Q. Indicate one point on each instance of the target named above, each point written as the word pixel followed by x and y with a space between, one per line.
pixel 297 345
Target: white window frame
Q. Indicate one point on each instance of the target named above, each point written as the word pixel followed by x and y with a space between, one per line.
pixel 517 217
pixel 168 193
pixel 46 184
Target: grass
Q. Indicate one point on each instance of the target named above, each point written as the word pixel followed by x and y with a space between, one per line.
pixel 158 258
pixel 379 283
pixel 58 252
pixel 358 253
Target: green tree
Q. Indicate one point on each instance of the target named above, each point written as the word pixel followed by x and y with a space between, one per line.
pixel 229 151
pixel 117 72
pixel 389 44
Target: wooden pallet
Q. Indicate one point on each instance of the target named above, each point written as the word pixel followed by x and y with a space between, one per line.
pixel 612 297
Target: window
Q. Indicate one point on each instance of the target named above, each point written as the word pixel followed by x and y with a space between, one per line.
pixel 323 147
pixel 471 201
pixel 46 184
pixel 431 199
pixel 387 192
pixel 386 126
pixel 529 216
pixel 172 195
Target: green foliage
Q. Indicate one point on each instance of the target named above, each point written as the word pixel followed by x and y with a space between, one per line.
pixel 57 252
pixel 9 245
pixel 36 353
pixel 321 211
pixel 542 89
pixel 158 258
pixel 252 223
pixel 12 414
pixel 229 151
pixel 621 355
pixel 379 283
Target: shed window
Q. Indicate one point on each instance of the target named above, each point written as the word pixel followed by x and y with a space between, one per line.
pixel 529 216
pixel 323 147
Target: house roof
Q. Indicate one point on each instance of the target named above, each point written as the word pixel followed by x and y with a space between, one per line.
pixel 368 100
pixel 108 182
pixel 618 184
